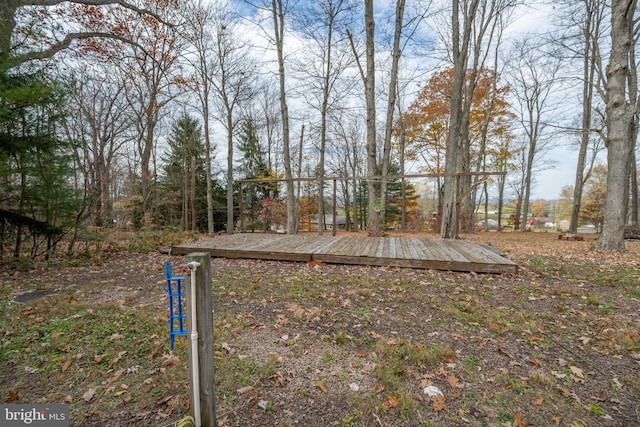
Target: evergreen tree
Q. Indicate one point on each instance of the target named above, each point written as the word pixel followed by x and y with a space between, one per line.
pixel 254 166
pixel 184 200
pixel 36 191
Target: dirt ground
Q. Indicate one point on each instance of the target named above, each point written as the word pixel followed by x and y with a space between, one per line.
pixel 321 345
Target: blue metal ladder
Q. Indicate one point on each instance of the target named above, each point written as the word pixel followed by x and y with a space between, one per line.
pixel 177 319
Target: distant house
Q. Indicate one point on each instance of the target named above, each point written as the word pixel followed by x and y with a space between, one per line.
pixel 341 222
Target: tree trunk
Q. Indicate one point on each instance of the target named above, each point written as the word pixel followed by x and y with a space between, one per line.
pixel 620 126
pixel 230 224
pixel 633 187
pixel 278 23
pixel 393 84
pixel 8 10
pixel 589 68
pixel 194 212
pixel 369 91
pixel 323 125
pixel 526 190
pixel 449 221
pixel 207 158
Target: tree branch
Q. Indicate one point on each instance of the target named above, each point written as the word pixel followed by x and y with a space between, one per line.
pixel 66 42
pixel 122 3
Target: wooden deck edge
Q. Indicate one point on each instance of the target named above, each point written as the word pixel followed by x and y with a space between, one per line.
pixel 457 266
pixel 508 266
pixel 242 254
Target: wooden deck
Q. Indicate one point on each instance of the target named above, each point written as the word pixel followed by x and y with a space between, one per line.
pixel 438 254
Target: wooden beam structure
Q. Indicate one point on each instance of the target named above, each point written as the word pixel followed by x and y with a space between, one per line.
pixel 412 252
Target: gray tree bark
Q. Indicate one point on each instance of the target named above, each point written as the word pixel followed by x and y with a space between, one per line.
pixel 391 101
pixel 620 114
pixel 460 45
pixel 590 61
pixel 369 90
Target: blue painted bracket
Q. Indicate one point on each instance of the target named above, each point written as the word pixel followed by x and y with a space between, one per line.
pixel 176 293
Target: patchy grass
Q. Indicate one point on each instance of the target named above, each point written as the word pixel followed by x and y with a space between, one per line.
pixel 318 345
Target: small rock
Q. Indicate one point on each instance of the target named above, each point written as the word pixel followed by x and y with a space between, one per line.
pixel 354 387
pixel 432 391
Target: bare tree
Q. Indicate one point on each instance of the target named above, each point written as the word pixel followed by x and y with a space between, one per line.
pixel 102 120
pixel 391 101
pixel 324 63
pixel 279 10
pixel 150 87
pixel 26 49
pixel 231 77
pixel 461 38
pixel 535 75
pixel 582 40
pixel 620 122
pixel 201 17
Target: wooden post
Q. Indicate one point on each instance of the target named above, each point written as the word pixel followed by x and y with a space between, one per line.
pixel 335 209
pixel 241 208
pixel 204 317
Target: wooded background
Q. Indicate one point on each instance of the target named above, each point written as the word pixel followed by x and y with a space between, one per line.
pixel 145 114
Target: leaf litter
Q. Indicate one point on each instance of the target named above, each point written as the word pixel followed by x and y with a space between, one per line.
pixel 528 346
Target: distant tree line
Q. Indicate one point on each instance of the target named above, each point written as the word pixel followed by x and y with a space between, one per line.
pixel 146 114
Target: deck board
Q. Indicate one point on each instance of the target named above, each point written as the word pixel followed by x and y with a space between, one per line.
pixel 413 252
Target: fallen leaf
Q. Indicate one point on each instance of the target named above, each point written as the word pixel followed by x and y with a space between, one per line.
pixel 504 353
pixel 518 421
pixel 577 371
pixel 438 403
pixel 378 388
pixel 441 371
pixel 322 386
pixel 534 362
pixel 68 399
pixel 391 401
pixel 244 390
pixel 89 394
pixel 13 396
pixel 539 401
pixel 170 360
pixel 164 399
pixel 453 381
pixel 447 357
pixel 66 365
pixel 117 374
pixel 362 353
pixel 98 358
pixel 117 358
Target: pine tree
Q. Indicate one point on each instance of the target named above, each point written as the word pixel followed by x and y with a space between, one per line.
pixel 184 182
pixel 36 194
